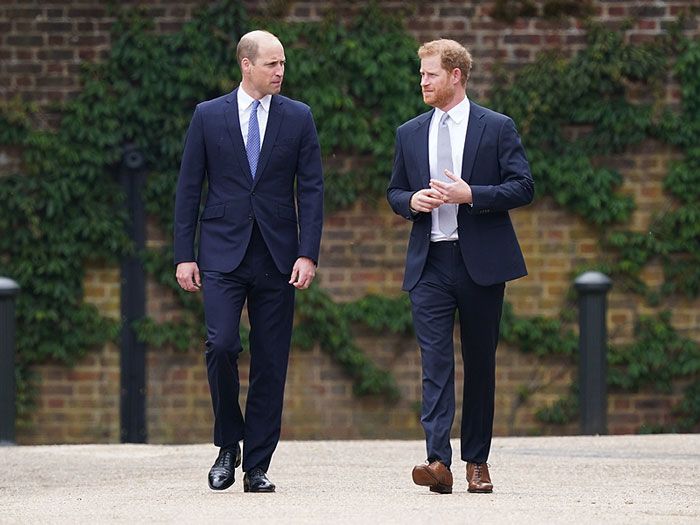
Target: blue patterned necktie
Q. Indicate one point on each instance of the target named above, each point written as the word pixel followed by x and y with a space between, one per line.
pixel 252 147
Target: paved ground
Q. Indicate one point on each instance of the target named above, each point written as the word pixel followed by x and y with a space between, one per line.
pixel 611 479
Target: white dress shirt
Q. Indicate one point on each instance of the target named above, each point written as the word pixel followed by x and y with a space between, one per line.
pixel 457 124
pixel 245 104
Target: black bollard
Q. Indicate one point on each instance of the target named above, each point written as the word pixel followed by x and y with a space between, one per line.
pixel 132 178
pixel 8 291
pixel 592 288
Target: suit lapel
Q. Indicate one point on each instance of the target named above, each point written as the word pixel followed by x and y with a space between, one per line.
pixel 420 146
pixel 233 127
pixel 274 121
pixel 474 131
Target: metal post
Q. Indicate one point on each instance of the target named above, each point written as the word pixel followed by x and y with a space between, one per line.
pixel 8 291
pixel 592 289
pixel 133 303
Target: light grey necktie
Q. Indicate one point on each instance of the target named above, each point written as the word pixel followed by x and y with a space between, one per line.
pixel 447 213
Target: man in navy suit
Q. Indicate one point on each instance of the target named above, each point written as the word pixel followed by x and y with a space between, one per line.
pixel 259 240
pixel 457 171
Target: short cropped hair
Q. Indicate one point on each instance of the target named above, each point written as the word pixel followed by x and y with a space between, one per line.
pixel 452 55
pixel 248 46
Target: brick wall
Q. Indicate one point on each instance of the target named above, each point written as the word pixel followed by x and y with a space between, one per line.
pixel 42 47
pixel 44 43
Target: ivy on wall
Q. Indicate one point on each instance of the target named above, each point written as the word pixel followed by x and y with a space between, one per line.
pixel 674 236
pixel 62 213
pixel 360 78
pixel 556 96
pixel 66 200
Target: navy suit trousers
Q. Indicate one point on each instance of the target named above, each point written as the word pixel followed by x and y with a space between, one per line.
pixel 443 289
pixel 270 301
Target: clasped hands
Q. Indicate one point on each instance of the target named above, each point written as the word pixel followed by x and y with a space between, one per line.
pixel 456 192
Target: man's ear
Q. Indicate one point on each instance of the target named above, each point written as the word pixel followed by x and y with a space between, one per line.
pixel 456 75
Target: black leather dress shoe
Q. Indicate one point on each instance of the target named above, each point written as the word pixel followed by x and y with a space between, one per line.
pixel 222 472
pixel 256 481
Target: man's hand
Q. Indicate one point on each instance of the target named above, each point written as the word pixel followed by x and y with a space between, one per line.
pixel 303 273
pixel 457 192
pixel 426 200
pixel 187 274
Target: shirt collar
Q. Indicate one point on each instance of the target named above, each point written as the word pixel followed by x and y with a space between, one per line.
pixel 457 113
pixel 245 100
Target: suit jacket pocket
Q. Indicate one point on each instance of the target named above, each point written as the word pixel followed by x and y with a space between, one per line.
pixel 213 212
pixel 286 146
pixel 286 212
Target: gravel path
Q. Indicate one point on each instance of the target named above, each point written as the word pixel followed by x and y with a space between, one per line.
pixel 584 479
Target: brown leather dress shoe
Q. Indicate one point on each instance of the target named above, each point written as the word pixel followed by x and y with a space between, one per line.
pixel 479 478
pixel 435 475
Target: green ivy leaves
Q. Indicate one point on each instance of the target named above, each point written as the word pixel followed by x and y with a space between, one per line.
pixel 361 80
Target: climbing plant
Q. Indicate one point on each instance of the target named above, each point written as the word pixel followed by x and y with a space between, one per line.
pixel 67 203
pixel 360 78
pixel 591 92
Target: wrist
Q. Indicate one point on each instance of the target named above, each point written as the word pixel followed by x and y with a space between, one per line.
pixel 410 205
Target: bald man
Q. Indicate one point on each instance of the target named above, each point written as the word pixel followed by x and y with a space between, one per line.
pixel 259 237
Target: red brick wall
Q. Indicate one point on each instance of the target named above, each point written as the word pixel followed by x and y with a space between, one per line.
pixel 42 47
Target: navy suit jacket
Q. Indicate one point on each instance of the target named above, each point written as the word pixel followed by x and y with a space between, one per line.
pixel 495 167
pixel 214 148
